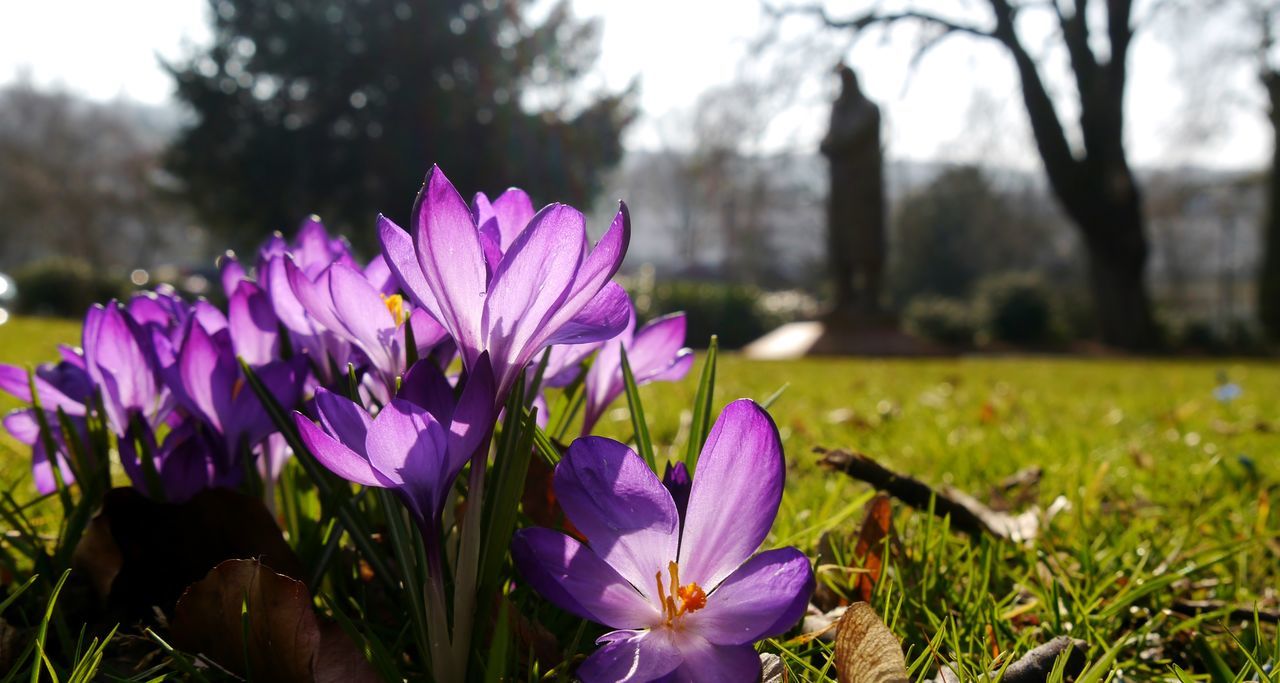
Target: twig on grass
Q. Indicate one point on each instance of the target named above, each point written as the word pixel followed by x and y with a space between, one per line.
pixel 967 513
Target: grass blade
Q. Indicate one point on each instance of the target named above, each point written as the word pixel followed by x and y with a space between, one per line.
pixel 644 443
pixel 701 425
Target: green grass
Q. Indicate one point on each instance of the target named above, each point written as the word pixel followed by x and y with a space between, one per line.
pixel 1173 496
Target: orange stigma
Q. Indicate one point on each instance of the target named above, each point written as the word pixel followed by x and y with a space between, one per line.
pixel 395 304
pixel 680 600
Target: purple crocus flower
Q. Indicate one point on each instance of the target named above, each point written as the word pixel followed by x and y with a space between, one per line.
pixel 119 360
pixel 547 287
pixel 656 353
pixel 191 458
pixel 687 603
pixel 209 384
pixel 313 251
pixel 62 386
pixel 345 303
pixel 417 443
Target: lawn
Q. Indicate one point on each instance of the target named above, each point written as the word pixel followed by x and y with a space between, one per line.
pixel 1170 495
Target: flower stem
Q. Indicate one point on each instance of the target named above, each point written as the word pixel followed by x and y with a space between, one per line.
pixel 443 664
pixel 464 589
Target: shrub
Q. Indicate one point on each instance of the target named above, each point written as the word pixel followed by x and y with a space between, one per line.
pixel 1015 308
pixel 737 314
pixel 942 319
pixel 63 287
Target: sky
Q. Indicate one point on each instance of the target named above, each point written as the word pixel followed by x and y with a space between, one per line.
pixel 961 102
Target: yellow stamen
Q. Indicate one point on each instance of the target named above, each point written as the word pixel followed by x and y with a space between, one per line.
pixel 236 388
pixel 691 597
pixel 395 304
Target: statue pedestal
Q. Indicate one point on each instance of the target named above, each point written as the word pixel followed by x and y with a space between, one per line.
pixel 842 333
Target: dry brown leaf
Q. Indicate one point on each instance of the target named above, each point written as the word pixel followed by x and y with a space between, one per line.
pixel 772 669
pixel 866 651
pixel 876 527
pixel 260 624
pixel 139 554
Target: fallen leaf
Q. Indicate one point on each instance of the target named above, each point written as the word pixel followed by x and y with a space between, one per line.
pixel 876 528
pixel 818 625
pixel 139 554
pixel 260 624
pixel 866 651
pixel 772 669
pixel 1036 665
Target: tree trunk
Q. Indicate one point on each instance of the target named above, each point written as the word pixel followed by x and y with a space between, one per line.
pixel 1269 274
pixel 1121 304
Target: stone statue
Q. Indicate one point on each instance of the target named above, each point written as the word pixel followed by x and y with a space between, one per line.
pixel 855 206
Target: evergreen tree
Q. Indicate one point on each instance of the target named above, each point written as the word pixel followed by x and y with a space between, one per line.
pixel 339 108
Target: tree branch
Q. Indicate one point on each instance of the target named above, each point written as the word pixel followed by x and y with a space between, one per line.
pixel 861 22
pixel 1060 164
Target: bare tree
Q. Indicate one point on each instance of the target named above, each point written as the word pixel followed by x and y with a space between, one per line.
pixel 78 179
pixel 1093 182
pixel 1266 14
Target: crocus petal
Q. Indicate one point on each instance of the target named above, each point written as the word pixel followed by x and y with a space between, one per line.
pixel 482 213
pixel 366 320
pixel 530 283
pixel 42 470
pixel 343 418
pixel 737 487
pixel 407 445
pixel 246 416
pixel 676 479
pixel 207 376
pixel 613 498
pixel 576 580
pixel 336 456
pixel 255 331
pixel 186 462
pixel 705 661
pixel 513 210
pixel 770 591
pixel 379 274
pixel 314 294
pixel 565 364
pixel 427 333
pixel 24 427
pixel 72 356
pixel 14 380
pixel 644 656
pixel 315 250
pixel 473 417
pixel 603 318
pixel 118 364
pixel 425 385
pixel 209 317
pixel 148 308
pixel 489 245
pixel 448 250
pixel 272 455
pixel 592 277
pixel 655 346
pixel 679 367
pixel 402 259
pixel 274 247
pixel 284 302
pixel 231 272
